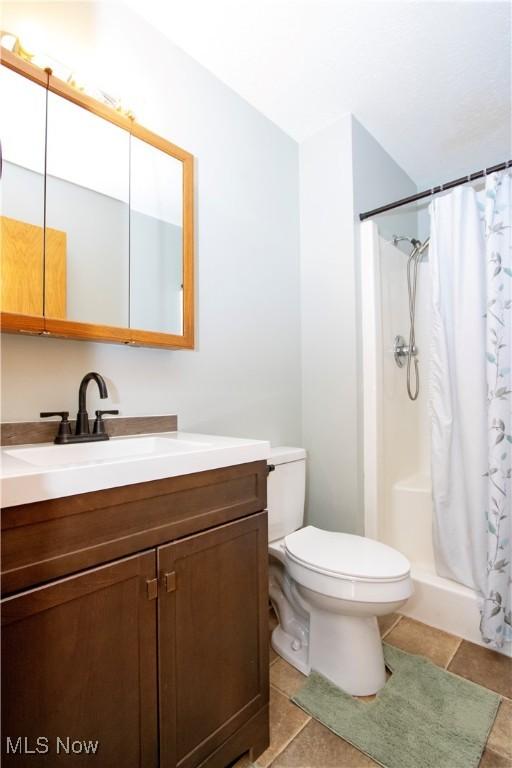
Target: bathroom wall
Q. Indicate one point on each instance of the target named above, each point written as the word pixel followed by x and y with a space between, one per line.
pixel 244 376
pixel 328 296
pixel 343 171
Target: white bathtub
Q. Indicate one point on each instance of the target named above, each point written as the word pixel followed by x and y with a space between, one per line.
pixel 437 601
pixel 409 526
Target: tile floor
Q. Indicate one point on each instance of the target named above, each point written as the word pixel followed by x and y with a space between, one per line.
pixel 299 741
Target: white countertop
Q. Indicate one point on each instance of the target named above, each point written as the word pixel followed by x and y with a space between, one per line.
pixel 24 480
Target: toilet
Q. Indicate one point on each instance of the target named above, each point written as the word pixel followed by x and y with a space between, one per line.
pixel 328 588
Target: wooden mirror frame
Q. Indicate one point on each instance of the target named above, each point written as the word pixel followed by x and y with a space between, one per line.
pixel 70 329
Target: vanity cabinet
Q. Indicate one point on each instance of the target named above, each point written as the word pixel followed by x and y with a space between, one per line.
pixel 161 654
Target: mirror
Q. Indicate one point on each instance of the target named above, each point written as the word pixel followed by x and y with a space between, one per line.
pixel 87 214
pixel 156 239
pixel 22 133
pixel 97 218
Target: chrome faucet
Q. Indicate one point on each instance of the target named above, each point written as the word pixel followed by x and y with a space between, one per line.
pixel 83 432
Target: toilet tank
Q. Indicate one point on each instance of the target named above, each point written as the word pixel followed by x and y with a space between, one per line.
pixel 286 489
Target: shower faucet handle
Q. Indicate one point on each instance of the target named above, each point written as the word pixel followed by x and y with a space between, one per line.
pixel 401 351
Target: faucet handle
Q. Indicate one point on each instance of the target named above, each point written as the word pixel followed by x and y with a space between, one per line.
pixel 63 414
pixel 64 426
pixel 99 424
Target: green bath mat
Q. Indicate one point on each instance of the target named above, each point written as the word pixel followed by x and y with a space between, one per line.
pixel 424 717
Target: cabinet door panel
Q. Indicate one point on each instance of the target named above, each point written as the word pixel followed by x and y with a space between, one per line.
pixel 79 662
pixel 213 638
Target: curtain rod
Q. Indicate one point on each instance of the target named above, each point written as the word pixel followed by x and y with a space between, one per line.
pixel 435 190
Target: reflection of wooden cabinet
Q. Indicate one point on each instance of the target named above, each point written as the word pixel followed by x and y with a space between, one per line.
pixel 55 272
pixel 138 617
pixel 21 265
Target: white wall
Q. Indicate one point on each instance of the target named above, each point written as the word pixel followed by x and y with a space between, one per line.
pixel 329 355
pixel 244 376
pixel 343 171
pixel 378 180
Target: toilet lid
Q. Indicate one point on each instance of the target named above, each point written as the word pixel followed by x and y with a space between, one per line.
pixel 346 555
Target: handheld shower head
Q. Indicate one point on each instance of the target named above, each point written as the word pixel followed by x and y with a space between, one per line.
pixel 423 246
pixel 409 350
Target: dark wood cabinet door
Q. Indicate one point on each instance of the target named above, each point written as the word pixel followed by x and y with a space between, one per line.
pixel 79 665
pixel 213 638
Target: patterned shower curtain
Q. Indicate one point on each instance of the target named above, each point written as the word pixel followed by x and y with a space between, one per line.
pixel 471 394
pixel 496 624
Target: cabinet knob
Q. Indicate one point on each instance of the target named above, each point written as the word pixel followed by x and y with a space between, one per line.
pixel 152 588
pixel 169 581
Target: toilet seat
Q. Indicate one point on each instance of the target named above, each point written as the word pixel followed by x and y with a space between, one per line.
pixel 347 567
pixel 346 556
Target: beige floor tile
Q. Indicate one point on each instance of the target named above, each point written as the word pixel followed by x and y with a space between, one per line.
pixel 493 760
pixel 483 666
pixel 366 699
pixel 286 720
pixel 414 637
pixel 387 622
pixel 286 678
pixel 272 656
pixel 500 738
pixel 317 747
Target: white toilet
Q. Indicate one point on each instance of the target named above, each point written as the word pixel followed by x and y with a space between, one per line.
pixel 328 588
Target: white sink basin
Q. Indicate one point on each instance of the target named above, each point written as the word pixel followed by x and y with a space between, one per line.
pixel 108 450
pixel 31 473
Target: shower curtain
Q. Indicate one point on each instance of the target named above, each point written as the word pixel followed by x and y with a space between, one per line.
pixel 471 394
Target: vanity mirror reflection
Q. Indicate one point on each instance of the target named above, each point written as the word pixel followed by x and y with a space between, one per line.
pixel 87 202
pixel 156 239
pixel 96 219
pixel 22 214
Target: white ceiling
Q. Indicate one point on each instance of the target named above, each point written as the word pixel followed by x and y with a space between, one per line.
pixel 430 80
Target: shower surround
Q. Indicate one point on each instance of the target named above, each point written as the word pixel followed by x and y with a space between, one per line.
pixel 398 486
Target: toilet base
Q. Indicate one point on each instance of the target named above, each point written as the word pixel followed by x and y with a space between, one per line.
pixel 347 650
pixel 286 646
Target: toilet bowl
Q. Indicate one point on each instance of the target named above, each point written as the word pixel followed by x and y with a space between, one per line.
pixel 328 588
